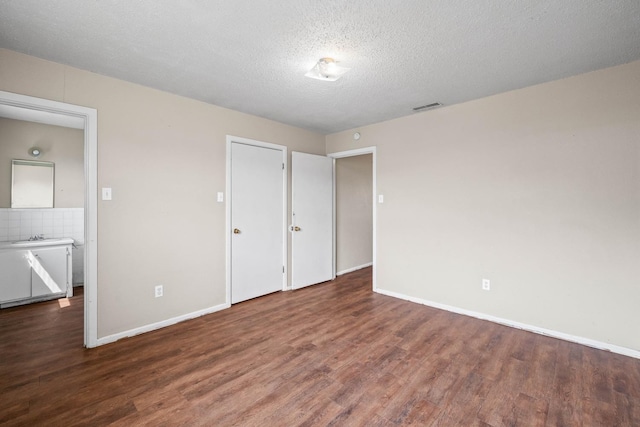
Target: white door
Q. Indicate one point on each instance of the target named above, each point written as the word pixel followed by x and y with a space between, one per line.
pixel 257 228
pixel 312 222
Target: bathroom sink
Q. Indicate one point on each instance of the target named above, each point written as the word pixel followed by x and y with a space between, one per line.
pixel 30 243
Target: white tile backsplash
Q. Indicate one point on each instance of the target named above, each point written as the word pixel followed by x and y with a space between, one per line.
pixel 20 224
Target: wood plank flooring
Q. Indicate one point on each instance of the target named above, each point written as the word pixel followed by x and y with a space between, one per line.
pixel 332 354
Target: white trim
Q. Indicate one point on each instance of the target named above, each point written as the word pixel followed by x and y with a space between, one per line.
pixel 90 118
pixel 162 324
pixel 352 153
pixel 358 152
pixel 91 228
pixel 352 269
pixel 334 229
pixel 285 254
pixel 513 324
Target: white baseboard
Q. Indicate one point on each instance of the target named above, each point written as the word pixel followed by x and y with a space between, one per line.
pixel 349 270
pixel 542 331
pixel 153 326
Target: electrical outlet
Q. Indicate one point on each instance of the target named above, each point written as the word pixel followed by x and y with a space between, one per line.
pixel 486 284
pixel 159 291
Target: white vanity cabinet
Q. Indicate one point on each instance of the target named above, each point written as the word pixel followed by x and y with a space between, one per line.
pixel 35 271
pixel 49 270
pixel 15 275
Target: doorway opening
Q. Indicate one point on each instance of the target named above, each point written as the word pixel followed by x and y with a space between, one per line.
pixel 351 240
pixel 62 114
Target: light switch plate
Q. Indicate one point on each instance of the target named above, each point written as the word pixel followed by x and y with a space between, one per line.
pixel 106 194
pixel 380 198
pixel 220 196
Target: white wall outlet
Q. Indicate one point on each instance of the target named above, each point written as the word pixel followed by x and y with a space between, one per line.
pixel 486 284
pixel 159 291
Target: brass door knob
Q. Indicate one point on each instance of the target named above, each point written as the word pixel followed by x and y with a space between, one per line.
pixel 296 228
pixel 236 231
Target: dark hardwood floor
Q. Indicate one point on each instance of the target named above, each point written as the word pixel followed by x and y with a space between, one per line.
pixel 331 354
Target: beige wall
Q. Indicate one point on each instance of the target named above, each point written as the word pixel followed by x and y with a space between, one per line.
pixel 62 146
pixel 537 190
pixel 354 211
pixel 164 156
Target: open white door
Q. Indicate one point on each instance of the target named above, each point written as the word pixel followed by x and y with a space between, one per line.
pixel 312 221
pixel 257 229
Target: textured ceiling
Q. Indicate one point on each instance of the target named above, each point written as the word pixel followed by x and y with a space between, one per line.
pixel 252 55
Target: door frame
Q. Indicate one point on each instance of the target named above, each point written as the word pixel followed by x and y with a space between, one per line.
pixel 90 118
pixel 231 139
pixel 353 153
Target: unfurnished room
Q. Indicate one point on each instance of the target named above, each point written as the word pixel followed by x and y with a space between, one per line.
pixel 299 213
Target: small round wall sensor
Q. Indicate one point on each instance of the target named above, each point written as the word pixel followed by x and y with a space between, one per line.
pixel 356 136
pixel 34 152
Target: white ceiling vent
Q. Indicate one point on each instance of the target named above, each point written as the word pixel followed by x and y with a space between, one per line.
pixel 427 107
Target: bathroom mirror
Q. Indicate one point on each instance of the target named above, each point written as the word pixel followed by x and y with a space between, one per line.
pixel 31 184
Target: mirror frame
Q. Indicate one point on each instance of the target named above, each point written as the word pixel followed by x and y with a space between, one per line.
pixel 33 201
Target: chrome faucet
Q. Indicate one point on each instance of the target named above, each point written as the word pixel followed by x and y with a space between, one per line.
pixel 36 237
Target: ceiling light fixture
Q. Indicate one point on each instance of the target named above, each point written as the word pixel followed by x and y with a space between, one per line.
pixel 326 69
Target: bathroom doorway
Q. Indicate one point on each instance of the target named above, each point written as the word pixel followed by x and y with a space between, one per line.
pixel 31 109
